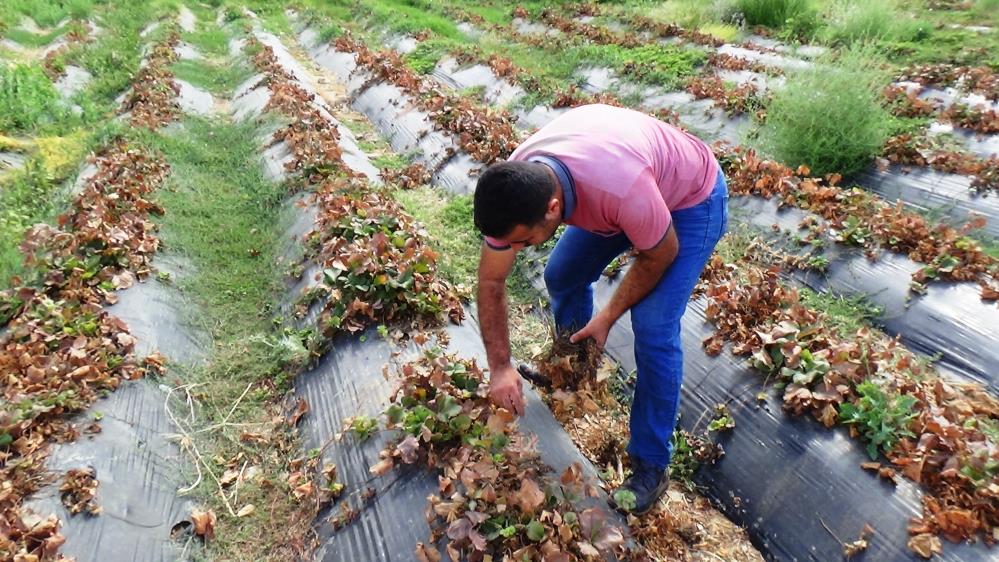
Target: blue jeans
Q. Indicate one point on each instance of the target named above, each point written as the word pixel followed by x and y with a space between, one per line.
pixel 577 262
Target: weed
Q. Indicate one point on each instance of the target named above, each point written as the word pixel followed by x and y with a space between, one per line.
pixel 798 16
pixel 881 419
pixel 661 65
pixel 27 98
pixel 829 117
pixel 424 58
pixel 219 79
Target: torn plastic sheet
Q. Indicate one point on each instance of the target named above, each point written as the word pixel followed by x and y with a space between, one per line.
pixel 933 192
pixel 950 320
pixel 985 146
pixel 138 466
pixel 788 480
pixel 349 382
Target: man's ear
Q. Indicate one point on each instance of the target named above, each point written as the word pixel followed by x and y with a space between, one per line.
pixel 554 208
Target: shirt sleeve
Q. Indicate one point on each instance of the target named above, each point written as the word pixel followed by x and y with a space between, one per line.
pixel 642 214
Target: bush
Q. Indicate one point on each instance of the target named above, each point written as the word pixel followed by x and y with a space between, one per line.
pixel 854 21
pixel 851 21
pixel 830 117
pixel 798 16
pixel 27 97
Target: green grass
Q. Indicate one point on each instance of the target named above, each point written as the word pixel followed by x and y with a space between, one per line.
pixel 114 58
pixel 852 21
pixel 391 160
pixel 660 65
pixel 425 57
pixel 221 210
pixel 223 217
pixel 845 314
pixel 219 78
pixel 829 117
pixel 48 13
pixel 28 99
pixel 451 231
pixel 35 40
pixel 210 41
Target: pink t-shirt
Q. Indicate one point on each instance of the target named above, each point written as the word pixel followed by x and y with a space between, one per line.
pixel 629 169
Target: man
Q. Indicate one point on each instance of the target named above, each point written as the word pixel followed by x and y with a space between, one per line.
pixel 619 179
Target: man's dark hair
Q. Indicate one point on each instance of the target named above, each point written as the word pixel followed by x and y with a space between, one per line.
pixel 510 194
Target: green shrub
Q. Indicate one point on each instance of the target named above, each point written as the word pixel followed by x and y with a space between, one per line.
pixel 830 117
pixel 854 21
pixel 987 7
pixel 851 21
pixel 798 16
pixel 27 98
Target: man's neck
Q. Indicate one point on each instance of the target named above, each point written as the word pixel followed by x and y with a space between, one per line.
pixel 558 193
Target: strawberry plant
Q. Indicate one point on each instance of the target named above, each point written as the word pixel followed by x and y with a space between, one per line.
pixel 882 419
pixel 496 499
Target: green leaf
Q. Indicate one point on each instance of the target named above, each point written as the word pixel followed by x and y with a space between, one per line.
pixel 535 530
pixel 625 499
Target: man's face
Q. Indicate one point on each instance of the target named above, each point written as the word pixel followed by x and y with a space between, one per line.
pixel 522 236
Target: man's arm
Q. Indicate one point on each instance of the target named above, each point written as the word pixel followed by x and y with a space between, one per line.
pixel 645 272
pixel 504 382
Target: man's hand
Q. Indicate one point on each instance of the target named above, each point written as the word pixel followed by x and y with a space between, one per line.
pixel 506 389
pixel 597 328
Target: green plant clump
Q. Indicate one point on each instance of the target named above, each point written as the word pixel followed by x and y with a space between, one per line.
pixel 662 65
pixel 27 98
pixel 796 16
pixel 881 419
pixel 829 117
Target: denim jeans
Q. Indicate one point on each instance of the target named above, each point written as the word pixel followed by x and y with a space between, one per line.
pixel 577 262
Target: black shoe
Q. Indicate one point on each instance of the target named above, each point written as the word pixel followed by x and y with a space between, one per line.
pixel 647 484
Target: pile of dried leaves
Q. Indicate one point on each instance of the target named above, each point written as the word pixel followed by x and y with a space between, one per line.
pixel 496 499
pixel 592 33
pixel 60 349
pixel 153 98
pixel 311 133
pixel 978 79
pixel 733 99
pixel 725 61
pixel 864 219
pixel 409 177
pixel 940 434
pixel 667 30
pixel 376 266
pixel 924 150
pixel 905 102
pixel 486 134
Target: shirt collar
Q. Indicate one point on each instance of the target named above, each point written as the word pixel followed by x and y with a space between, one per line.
pixel 564 178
